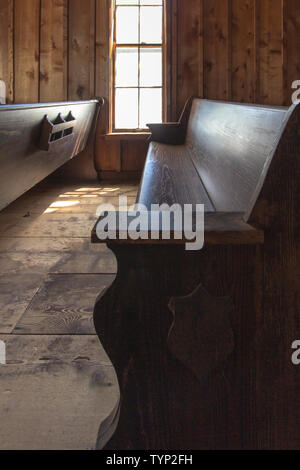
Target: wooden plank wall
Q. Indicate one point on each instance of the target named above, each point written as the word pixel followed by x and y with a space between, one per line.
pixel 6 47
pixel 53 51
pixel 240 50
pixel 26 50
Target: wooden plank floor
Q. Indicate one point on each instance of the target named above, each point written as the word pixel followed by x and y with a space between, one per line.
pixel 58 385
pixel 63 305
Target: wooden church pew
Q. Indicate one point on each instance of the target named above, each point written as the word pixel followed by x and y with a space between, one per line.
pixel 37 139
pixel 201 341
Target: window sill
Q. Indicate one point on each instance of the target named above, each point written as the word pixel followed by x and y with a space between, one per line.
pixel 141 136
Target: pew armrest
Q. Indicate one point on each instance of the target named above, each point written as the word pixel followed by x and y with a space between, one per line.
pixel 172 133
pixel 169 133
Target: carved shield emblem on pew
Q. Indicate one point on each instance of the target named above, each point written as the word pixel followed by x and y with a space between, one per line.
pixel 201 336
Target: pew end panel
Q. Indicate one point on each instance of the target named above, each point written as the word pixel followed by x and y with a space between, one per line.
pixel 171 325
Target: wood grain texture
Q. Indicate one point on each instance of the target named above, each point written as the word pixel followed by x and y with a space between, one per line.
pixel 291 18
pixel 134 155
pixel 42 372
pixel 171 62
pixel 23 164
pixel 102 48
pixel 232 34
pixel 130 352
pixel 63 305
pixel 6 47
pixel 217 49
pixel 108 154
pixel 53 53
pixel 27 50
pixel 165 167
pixel 170 51
pixel 233 408
pixel 249 50
pixel 214 414
pixel 243 44
pixel 230 145
pixel 38 409
pixel 16 292
pixel 227 151
pixel 48 225
pixel 81 78
pixel 244 50
pixel 270 71
pixel 277 209
pixel 190 59
pixel 201 337
pixel 31 256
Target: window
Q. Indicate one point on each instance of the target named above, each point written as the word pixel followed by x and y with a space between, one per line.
pixel 137 64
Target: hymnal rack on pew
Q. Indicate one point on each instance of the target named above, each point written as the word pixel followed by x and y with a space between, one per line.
pixel 57 130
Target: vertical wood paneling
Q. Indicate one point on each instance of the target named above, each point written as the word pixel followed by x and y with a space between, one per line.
pixel 174 58
pixel 6 47
pixel 81 49
pixel 81 71
pixel 108 154
pixel 201 50
pixel 243 40
pixel 227 48
pixel 190 51
pixel 291 16
pixel 133 155
pixel 270 17
pixel 170 51
pixel 216 49
pixel 171 59
pixel 244 50
pixel 102 48
pixel 53 51
pixel 26 47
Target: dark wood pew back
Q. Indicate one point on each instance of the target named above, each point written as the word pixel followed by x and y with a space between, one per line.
pixel 230 144
pixel 219 154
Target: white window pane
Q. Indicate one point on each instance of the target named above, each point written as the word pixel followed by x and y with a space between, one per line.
pixel 127 67
pixel 150 106
pixel 136 2
pixel 151 67
pixel 151 25
pixel 127 24
pixel 126 112
pixel 127 2
pixel 151 2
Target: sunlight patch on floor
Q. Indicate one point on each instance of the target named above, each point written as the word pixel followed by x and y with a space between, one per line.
pixel 55 206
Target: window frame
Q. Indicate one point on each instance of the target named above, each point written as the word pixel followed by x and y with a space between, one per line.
pixel 113 55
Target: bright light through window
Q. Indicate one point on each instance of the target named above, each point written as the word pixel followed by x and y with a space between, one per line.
pixel 138 59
